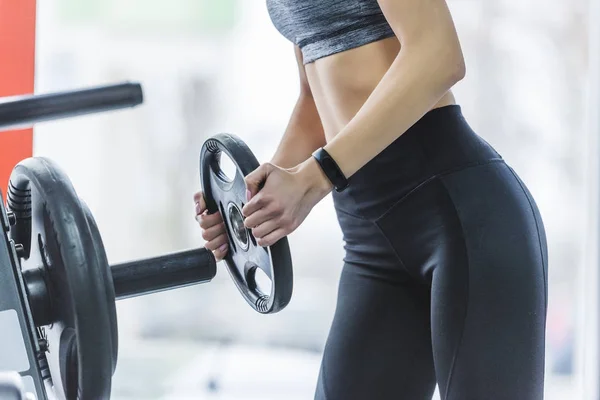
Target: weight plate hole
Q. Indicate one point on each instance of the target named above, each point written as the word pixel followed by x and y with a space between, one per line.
pixel 227 168
pixel 252 239
pixel 259 280
pixel 234 216
pixel 227 228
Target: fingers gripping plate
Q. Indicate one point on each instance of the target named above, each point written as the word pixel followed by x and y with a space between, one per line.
pixel 245 260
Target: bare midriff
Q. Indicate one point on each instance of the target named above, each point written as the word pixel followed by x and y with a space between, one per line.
pixel 342 82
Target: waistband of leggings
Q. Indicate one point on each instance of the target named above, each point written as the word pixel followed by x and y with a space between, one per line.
pixel 441 141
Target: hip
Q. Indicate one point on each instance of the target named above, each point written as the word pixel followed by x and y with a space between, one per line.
pixel 434 190
pixel 439 144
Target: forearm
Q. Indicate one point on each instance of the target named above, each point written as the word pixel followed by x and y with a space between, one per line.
pixel 412 86
pixel 303 135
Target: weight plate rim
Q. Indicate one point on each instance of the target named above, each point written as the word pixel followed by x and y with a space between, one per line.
pixel 108 280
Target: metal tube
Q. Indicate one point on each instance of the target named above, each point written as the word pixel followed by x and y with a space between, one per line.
pixel 24 111
pixel 156 274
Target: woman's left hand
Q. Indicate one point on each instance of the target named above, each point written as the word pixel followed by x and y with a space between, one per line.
pixel 280 199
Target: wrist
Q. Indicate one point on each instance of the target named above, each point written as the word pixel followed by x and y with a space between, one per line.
pixel 316 180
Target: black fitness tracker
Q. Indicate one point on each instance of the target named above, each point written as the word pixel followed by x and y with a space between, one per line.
pixel 331 169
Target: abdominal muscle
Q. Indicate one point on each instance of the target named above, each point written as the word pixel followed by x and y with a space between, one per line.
pixel 342 82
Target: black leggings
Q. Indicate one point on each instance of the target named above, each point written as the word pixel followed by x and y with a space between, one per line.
pixel 445 274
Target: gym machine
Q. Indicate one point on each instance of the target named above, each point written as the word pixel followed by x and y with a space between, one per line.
pixel 58 320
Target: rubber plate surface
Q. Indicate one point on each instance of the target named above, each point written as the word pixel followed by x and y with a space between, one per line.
pixel 81 340
pixel 244 257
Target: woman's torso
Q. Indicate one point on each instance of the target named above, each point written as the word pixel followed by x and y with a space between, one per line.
pixel 348 47
pixel 342 82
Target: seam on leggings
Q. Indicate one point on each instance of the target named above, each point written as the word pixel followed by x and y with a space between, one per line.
pixel 462 333
pixel 398 202
pixel 537 228
pixel 438 175
pixel 391 246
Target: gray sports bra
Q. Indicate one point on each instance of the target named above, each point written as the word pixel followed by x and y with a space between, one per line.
pixel 324 27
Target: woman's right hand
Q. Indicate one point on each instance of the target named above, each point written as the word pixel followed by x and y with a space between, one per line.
pixel 213 228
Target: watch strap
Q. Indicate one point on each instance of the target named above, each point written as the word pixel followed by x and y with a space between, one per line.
pixel 331 169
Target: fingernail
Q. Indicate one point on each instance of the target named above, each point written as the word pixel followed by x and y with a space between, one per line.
pixel 248 195
pixel 223 247
pixel 198 218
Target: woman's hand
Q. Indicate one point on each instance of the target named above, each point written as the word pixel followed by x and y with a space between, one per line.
pixel 280 199
pixel 213 228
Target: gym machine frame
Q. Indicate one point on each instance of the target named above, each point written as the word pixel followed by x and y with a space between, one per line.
pixel 16 317
pixel 56 286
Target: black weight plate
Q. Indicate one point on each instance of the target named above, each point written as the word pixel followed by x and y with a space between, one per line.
pixel 80 338
pixel 244 256
pixel 108 280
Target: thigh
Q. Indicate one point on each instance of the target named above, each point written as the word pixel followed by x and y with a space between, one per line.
pixel 476 236
pixel 379 344
pixel 489 297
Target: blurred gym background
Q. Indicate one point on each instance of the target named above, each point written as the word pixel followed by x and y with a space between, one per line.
pixel 220 66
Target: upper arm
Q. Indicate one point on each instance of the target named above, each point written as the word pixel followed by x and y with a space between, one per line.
pixel 423 24
pixel 304 85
